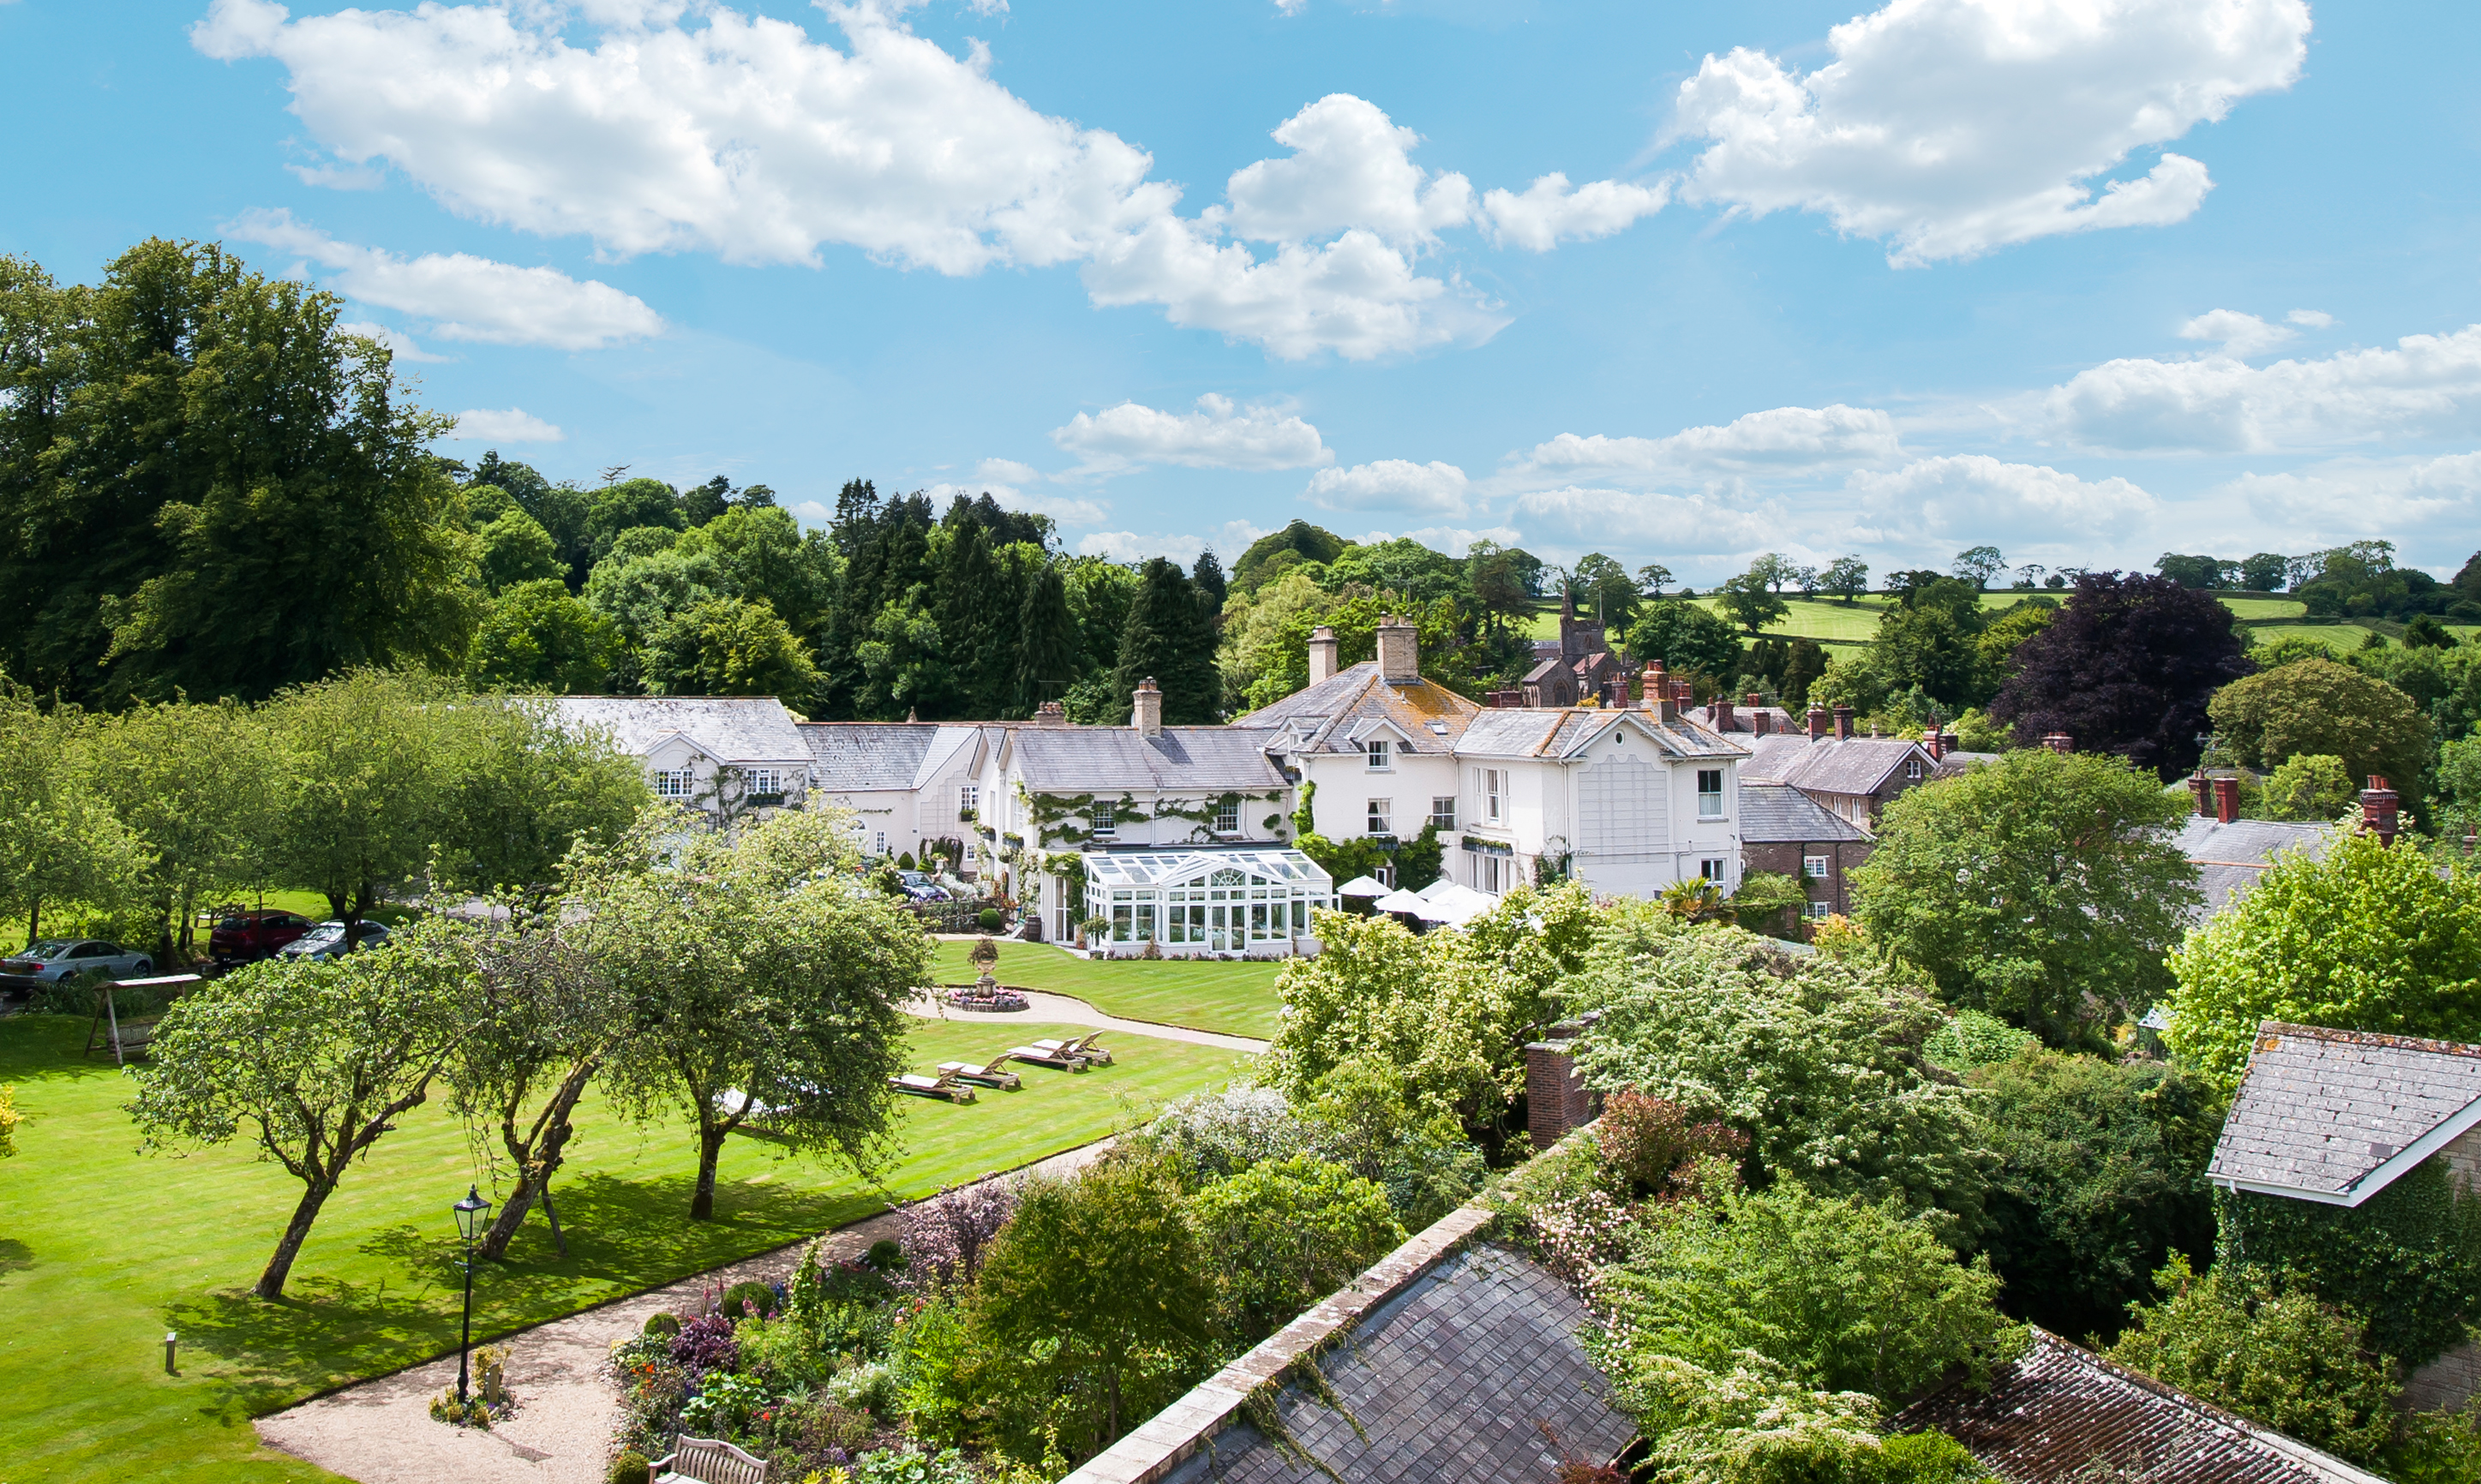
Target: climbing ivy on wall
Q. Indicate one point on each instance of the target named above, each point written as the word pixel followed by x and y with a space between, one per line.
pixel 2408 1261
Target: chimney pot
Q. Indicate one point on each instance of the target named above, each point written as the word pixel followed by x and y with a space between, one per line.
pixel 1650 686
pixel 1816 722
pixel 1323 647
pixel 1756 699
pixel 1930 746
pixel 2227 800
pixel 2202 789
pixel 1051 714
pixel 1726 717
pixel 2378 806
pixel 1399 653
pixel 1843 724
pixel 1146 712
pixel 1949 743
pixel 2059 742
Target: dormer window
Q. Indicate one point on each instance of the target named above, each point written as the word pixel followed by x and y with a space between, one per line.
pixel 1379 753
pixel 1913 768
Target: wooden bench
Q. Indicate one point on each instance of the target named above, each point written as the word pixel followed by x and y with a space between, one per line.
pixel 709 1461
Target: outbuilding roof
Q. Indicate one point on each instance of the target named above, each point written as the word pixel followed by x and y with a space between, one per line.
pixel 2231 858
pixel 2336 1116
pixel 731 728
pixel 1779 814
pixel 865 756
pixel 1852 765
pixel 1119 759
pixel 2061 1412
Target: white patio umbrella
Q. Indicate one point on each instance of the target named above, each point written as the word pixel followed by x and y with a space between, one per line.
pixel 1400 902
pixel 1455 906
pixel 1362 886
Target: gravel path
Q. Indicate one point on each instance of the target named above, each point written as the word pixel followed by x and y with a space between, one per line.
pixel 380 1431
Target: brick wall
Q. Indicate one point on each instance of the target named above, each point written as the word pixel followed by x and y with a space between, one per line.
pixel 1788 859
pixel 2454 1378
pixel 1555 1098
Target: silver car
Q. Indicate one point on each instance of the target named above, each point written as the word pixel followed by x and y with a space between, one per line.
pixel 328 940
pixel 53 959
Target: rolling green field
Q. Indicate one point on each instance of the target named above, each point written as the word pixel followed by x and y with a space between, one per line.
pixel 1237 999
pixel 1830 621
pixel 102 1250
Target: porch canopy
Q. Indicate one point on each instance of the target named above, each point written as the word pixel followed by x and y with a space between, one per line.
pixel 1206 901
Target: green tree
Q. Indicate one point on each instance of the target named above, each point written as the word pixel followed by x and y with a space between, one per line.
pixel 1307 543
pixel 1284 1233
pixel 729 646
pixel 538 637
pixel 1818 1060
pixel 1930 640
pixel 1751 601
pixel 1046 641
pixel 60 841
pixel 1848 578
pixel 2459 778
pixel 1996 647
pixel 311 1062
pixel 2264 572
pixel 764 992
pixel 2320 706
pixel 524 790
pixel 207 486
pixel 2041 888
pixel 194 785
pixel 2127 667
pixel 2368 939
pixel 1846 1295
pixel 1978 564
pixel 628 503
pixel 363 765
pixel 517 549
pixel 760 554
pixel 1603 589
pixel 2100 1177
pixel 2277 1356
pixel 2309 786
pixel 1169 640
pixel 1095 1281
pixel 1686 639
pixel 1656 577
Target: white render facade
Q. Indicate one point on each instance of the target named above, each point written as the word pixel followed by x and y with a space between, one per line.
pixel 719 755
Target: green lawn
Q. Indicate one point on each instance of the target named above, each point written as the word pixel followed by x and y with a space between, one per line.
pixel 1236 998
pixel 102 1250
pixel 1831 621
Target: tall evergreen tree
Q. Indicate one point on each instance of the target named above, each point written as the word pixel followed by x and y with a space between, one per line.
pixel 1170 640
pixel 1211 584
pixel 974 624
pixel 1047 640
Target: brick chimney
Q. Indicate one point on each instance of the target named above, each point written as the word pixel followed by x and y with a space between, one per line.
pixel 2227 800
pixel 1050 713
pixel 1816 722
pixel 2202 789
pixel 1322 646
pixel 1399 651
pixel 1147 716
pixel 2378 805
pixel 1662 699
pixel 1843 724
pixel 2059 742
pixel 1726 717
pixel 1653 684
pixel 1931 744
pixel 1949 743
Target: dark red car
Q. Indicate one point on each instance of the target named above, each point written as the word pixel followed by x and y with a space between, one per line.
pixel 245 936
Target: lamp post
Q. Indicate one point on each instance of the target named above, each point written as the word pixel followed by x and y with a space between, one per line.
pixel 470 1212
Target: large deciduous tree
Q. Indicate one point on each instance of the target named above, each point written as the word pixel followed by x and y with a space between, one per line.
pixel 60 841
pixel 313 1062
pixel 763 991
pixel 2128 667
pixel 207 485
pixel 2370 938
pixel 2042 888
pixel 2319 707
pixel 1687 639
pixel 525 789
pixel 196 785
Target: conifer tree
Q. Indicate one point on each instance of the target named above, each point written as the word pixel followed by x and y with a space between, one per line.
pixel 1047 641
pixel 1169 639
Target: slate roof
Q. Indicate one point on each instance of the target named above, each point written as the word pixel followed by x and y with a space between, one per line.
pixel 734 728
pixel 1334 715
pixel 1856 764
pixel 1556 732
pixel 1955 763
pixel 1449 1382
pixel 2062 1412
pixel 860 756
pixel 1779 814
pixel 2230 858
pixel 2336 1116
pixel 1118 759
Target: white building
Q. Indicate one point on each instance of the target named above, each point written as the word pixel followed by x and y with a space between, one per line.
pixel 720 754
pixel 909 784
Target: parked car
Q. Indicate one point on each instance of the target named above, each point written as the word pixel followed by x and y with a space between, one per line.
pixel 921 886
pixel 328 940
pixel 52 959
pixel 245 936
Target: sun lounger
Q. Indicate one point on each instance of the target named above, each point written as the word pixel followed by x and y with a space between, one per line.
pixel 992 1074
pixel 941 1086
pixel 1082 1047
pixel 1048 1055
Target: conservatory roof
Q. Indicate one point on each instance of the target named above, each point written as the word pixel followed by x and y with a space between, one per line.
pixel 1176 868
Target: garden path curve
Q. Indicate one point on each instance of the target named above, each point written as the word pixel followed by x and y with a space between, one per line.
pixel 1069 1011
pixel 380 1432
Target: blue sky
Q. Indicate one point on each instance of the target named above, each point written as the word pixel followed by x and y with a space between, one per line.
pixel 2087 280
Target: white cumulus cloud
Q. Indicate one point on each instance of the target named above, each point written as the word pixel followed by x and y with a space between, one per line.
pixel 1780 439
pixel 1067 511
pixel 1976 496
pixel 1951 128
pixel 2313 319
pixel 1219 435
pixel 1448 541
pixel 2237 334
pixel 1551 212
pixel 464 296
pixel 400 344
pixel 2428 386
pixel 1434 488
pixel 511 425
pixel 1232 538
pixel 1574 520
pixel 1351 167
pixel 1006 471
pixel 2349 500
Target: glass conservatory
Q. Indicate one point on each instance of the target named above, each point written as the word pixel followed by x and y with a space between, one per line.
pixel 1207 901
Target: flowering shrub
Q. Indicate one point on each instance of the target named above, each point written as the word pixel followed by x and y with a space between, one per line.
pixel 705 1343
pixel 1576 1235
pixel 1648 1142
pixel 946 1235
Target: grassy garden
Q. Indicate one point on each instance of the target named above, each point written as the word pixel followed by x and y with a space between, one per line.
pixel 1234 998
pixel 102 1249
